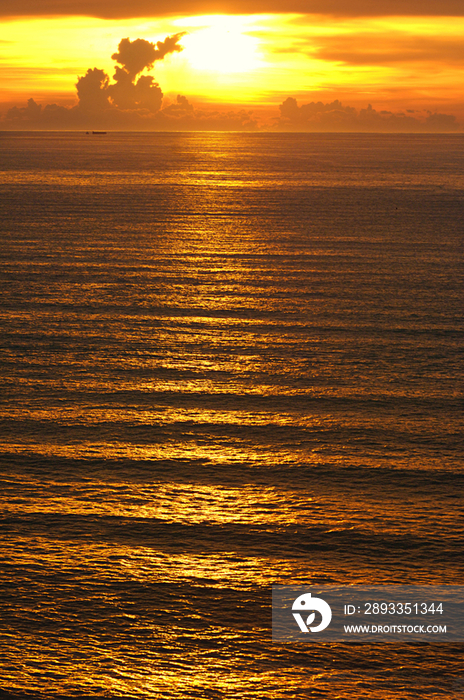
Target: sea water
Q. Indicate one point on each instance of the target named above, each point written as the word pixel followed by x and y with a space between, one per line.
pixel 228 361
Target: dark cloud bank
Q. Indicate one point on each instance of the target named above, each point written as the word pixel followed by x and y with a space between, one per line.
pixel 317 116
pixel 134 101
pixel 113 9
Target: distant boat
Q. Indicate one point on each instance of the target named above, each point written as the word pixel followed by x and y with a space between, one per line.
pixel 98 132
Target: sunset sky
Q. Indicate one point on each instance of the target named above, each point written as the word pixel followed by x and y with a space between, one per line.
pixel 401 56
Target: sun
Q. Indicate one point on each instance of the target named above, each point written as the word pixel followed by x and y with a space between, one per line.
pixel 222 45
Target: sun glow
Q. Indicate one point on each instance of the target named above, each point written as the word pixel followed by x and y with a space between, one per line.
pixel 247 60
pixel 222 46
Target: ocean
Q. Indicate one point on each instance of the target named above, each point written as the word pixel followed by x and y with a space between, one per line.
pixel 228 361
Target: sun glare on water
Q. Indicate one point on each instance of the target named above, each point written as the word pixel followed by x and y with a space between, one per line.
pixel 222 45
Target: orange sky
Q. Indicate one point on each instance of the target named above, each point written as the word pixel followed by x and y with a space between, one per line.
pixel 406 62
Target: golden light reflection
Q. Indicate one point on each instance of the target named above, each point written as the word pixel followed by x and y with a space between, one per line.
pixel 124 562
pixel 212 451
pixel 90 415
pixel 216 453
pixel 191 504
pixel 222 178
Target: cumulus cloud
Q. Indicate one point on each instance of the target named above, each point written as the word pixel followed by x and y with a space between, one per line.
pixel 333 116
pixel 132 101
pixel 128 92
pixel 146 8
pixel 135 56
pixel 96 93
pixel 24 115
pixel 180 108
pixel 92 90
pixel 135 101
pixel 182 116
pixel 293 114
pixel 122 102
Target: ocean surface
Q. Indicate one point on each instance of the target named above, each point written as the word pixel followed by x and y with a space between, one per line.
pixel 227 361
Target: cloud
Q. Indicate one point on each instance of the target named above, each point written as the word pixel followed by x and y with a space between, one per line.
pixel 333 116
pixel 135 56
pixel 373 49
pixel 30 113
pixel 101 100
pixel 92 90
pixel 96 93
pixel 121 9
pixel 134 101
pixel 143 94
pixel 177 116
pixel 441 122
pixel 182 116
pixel 33 116
pixel 179 109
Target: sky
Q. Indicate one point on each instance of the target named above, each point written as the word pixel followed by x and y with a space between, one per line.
pixel 317 65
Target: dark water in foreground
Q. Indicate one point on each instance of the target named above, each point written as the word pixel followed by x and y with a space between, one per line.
pixel 228 361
